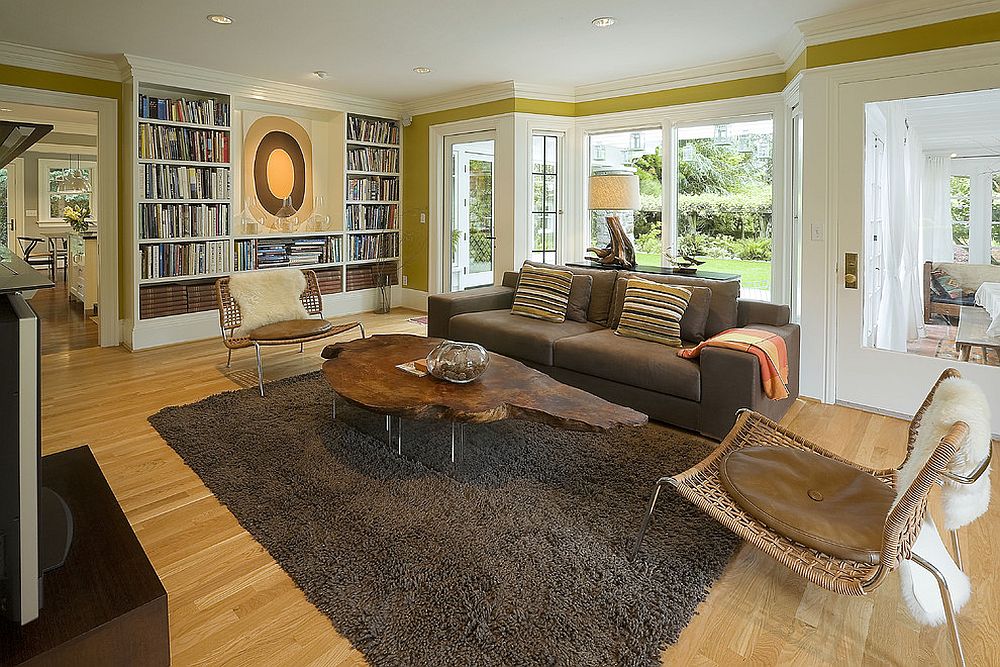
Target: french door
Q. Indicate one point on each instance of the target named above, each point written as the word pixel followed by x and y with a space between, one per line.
pixel 469 238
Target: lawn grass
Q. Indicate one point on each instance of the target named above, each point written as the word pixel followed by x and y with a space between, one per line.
pixel 753 274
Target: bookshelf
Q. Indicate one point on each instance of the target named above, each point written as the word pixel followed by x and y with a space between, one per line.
pixel 188 228
pixel 371 201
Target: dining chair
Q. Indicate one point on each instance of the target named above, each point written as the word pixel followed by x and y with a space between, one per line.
pixel 59 251
pixel 28 245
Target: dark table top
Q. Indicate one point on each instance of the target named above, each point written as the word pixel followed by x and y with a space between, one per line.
pixel 659 270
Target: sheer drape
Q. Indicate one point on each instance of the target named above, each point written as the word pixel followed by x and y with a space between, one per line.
pixel 936 210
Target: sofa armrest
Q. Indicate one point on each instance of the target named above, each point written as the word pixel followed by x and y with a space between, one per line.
pixel 730 380
pixel 442 307
pixel 750 312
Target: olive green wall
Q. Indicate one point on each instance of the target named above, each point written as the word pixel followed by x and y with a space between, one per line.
pixel 11 75
pixel 960 32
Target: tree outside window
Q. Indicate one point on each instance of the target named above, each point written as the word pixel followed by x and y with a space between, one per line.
pixel 960 210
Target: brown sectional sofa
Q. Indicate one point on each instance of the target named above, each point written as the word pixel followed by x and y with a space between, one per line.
pixel 701 395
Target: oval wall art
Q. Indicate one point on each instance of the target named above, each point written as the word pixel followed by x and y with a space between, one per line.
pixel 278 165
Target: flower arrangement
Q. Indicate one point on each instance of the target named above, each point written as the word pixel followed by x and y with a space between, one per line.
pixel 76 216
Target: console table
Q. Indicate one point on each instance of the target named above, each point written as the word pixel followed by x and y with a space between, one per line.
pixel 658 270
pixel 105 605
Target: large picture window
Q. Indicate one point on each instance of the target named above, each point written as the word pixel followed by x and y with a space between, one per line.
pixel 638 151
pixel 724 197
pixel 960 216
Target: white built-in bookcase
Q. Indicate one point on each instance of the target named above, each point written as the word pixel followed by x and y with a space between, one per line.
pixel 175 306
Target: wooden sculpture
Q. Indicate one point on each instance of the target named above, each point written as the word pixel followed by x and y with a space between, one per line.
pixel 620 251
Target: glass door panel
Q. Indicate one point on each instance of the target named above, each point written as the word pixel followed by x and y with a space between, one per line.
pixel 469 233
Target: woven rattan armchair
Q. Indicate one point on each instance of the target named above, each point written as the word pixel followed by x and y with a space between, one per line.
pixel 702 486
pixel 291 332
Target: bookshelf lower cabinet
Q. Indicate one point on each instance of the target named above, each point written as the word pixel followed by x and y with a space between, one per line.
pixel 367 276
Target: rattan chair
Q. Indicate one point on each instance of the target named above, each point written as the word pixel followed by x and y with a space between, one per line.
pixel 702 486
pixel 281 333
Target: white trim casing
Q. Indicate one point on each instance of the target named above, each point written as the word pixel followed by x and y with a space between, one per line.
pixel 107 187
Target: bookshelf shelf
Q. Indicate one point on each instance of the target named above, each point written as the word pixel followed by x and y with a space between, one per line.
pixel 178 123
pixel 372 202
pixel 183 239
pixel 185 201
pixel 182 163
pixel 184 278
pixel 372 144
pixel 372 231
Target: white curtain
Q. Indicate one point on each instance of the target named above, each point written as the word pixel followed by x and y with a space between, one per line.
pixel 936 210
pixel 900 316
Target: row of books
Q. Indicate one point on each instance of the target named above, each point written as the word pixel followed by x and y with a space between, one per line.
pixel 159 142
pixel 163 221
pixel 375 131
pixel 203 112
pixel 373 246
pixel 163 260
pixel 370 216
pixel 373 159
pixel 162 181
pixel 367 276
pixel 375 188
pixel 250 254
pixel 176 299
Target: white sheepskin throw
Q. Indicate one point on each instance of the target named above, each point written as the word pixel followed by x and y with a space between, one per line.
pixel 955 400
pixel 266 297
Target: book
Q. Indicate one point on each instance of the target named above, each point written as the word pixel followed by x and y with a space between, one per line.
pixel 417 367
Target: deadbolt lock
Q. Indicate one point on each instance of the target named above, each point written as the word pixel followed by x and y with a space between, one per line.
pixel 851 270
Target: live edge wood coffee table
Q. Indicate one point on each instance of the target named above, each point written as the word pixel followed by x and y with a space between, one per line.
pixel 363 372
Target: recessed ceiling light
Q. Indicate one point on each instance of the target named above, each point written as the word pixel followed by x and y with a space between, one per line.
pixel 604 21
pixel 422 70
pixel 320 73
pixel 221 19
pixel 952 155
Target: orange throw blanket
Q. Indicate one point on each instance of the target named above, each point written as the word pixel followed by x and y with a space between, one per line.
pixel 769 349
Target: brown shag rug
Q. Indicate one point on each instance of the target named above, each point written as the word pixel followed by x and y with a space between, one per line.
pixel 518 556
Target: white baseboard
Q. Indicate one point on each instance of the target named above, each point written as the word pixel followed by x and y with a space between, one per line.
pixel 172 329
pixel 413 298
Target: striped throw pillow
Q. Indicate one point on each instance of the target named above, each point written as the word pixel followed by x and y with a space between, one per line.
pixel 653 311
pixel 542 293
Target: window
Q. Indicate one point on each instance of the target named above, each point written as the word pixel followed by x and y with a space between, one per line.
pixel 960 209
pixel 65 183
pixel 637 151
pixel 545 198
pixel 724 195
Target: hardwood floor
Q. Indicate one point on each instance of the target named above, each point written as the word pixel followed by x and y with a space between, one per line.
pixel 231 604
pixel 65 325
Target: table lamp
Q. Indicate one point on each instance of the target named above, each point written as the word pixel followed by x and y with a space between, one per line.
pixel 614 192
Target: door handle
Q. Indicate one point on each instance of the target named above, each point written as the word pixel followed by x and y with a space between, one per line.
pixel 851 270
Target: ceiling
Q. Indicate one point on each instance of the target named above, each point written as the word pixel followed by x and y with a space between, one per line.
pixel 370 48
pixel 967 124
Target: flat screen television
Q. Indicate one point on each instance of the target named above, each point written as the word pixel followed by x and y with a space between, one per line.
pixel 36 526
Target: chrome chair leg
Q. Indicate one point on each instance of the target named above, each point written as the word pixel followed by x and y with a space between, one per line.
pixel 229 358
pixel 260 371
pixel 649 515
pixel 949 608
pixel 958 550
pixel 362 327
pixel 302 347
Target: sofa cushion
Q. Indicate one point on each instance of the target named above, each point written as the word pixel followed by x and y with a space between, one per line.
pixel 513 336
pixel 653 311
pixel 600 293
pixel 630 361
pixel 579 298
pixel 722 308
pixel 542 293
pixel 693 321
pixel 945 286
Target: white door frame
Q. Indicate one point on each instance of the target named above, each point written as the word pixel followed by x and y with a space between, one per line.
pixel 462 192
pixel 107 214
pixel 15 175
pixel 835 365
pixel 503 194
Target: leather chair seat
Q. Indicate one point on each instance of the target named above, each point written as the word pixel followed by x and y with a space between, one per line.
pixel 818 502
pixel 290 329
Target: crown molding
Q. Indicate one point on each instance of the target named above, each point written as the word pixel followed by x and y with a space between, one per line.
pixel 167 73
pixel 32 57
pixel 888 16
pixel 491 92
pixel 536 91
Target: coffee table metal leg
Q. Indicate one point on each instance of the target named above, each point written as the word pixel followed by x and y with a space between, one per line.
pixel 399 436
pixel 457 444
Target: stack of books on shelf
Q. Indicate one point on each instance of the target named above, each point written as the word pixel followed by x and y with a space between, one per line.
pixel 172 221
pixel 372 130
pixel 162 300
pixel 271 253
pixel 160 142
pixel 372 188
pixel 374 246
pixel 373 159
pixel 165 260
pixel 306 251
pixel 370 216
pixel 201 296
pixel 202 112
pixel 162 181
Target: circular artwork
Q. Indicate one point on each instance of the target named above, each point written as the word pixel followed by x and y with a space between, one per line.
pixel 279 171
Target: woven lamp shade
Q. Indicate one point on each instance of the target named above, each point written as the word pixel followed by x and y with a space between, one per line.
pixel 614 192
